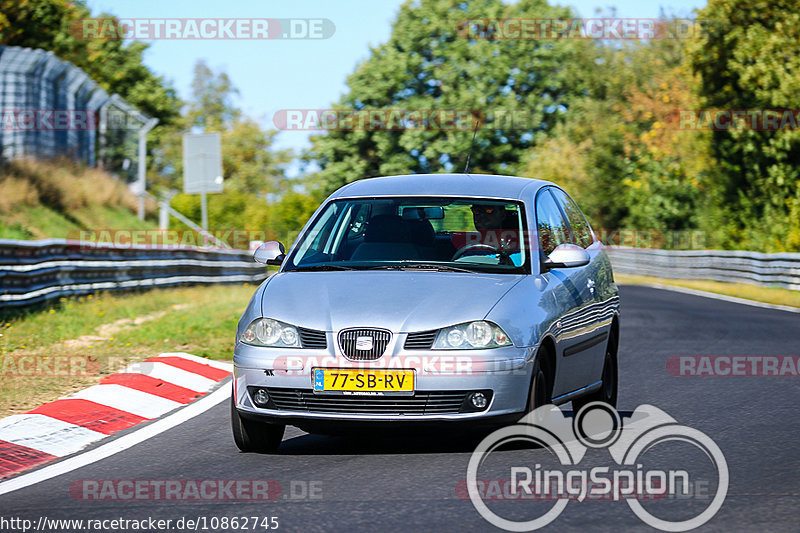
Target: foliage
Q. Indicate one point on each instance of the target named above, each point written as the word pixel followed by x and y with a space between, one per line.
pixel 429 64
pixel 619 151
pixel 597 117
pixel 749 58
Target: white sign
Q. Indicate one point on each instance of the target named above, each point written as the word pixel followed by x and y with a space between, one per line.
pixel 202 163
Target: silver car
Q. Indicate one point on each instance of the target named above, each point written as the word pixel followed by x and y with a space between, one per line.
pixel 441 298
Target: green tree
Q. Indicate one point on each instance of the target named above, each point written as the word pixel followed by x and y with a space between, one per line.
pixel 619 151
pixel 212 106
pixel 748 57
pixel 430 63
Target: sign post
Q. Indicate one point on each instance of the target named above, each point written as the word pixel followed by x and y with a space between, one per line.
pixel 142 184
pixel 202 167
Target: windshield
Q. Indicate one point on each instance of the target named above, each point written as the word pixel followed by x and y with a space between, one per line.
pixel 454 234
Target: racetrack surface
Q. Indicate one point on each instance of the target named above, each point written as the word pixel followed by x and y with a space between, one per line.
pixel 408 482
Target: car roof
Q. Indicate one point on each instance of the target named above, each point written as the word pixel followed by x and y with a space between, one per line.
pixel 438 185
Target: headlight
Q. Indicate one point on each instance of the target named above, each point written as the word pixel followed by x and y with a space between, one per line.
pixel 471 335
pixel 270 332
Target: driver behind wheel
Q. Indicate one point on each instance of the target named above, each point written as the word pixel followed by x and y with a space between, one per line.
pixel 497 231
pixel 490 217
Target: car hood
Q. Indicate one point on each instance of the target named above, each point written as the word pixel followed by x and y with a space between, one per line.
pixel 399 301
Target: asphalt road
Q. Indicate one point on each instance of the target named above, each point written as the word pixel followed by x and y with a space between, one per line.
pixel 408 482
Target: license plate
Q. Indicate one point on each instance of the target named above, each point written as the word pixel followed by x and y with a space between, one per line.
pixel 362 381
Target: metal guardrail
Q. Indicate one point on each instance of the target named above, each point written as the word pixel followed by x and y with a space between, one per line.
pixel 34 271
pixel 778 270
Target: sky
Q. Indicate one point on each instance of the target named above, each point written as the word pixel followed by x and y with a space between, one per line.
pixel 301 74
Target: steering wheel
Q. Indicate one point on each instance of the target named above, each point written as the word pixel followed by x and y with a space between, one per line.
pixel 472 247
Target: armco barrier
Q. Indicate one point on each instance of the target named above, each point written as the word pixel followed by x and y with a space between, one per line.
pixel 779 270
pixel 33 271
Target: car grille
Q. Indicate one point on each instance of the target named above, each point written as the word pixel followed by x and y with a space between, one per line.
pixel 348 339
pixel 311 338
pixel 422 340
pixel 421 403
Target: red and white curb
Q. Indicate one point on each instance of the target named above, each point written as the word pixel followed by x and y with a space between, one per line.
pixel 141 392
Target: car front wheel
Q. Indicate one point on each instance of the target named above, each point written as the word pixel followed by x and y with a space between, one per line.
pixel 251 436
pixel 541 390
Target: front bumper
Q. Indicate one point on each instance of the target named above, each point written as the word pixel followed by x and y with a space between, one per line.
pixel 440 375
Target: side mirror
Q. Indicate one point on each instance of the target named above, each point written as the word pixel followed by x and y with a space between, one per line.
pixel 270 253
pixel 566 256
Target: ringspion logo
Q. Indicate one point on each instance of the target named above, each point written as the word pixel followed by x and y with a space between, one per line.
pixel 597 426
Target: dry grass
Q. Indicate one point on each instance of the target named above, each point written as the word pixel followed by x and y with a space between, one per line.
pixel 62 185
pixel 15 191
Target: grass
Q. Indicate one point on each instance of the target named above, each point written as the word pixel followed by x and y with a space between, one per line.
pixel 105 217
pixel 770 295
pixel 35 222
pixel 55 198
pixel 106 332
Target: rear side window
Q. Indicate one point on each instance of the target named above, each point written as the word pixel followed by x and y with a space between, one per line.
pixel 581 232
pixel 553 229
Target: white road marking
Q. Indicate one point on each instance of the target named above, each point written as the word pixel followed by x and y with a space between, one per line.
pixel 128 400
pixel 46 434
pixel 117 445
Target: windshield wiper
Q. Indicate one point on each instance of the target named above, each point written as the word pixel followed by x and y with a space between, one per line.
pixel 423 266
pixel 325 267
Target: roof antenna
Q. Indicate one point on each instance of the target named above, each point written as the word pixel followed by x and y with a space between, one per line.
pixel 477 124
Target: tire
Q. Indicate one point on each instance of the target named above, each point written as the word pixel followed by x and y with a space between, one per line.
pixel 608 390
pixel 541 391
pixel 251 436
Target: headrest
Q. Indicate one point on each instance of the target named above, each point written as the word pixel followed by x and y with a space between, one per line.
pixel 386 228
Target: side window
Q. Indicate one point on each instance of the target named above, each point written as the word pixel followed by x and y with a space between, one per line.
pixel 553 229
pixel 581 232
